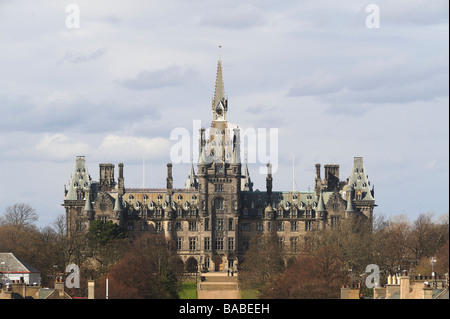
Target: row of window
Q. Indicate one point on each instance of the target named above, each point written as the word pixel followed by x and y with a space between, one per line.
pixel 220 225
pixel 159 197
pixel 159 213
pixel 294 226
pixel 294 213
pixel 280 197
pixel 293 243
pixel 219 168
pixel 218 243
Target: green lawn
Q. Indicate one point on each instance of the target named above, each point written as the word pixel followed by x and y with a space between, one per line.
pixel 249 294
pixel 189 290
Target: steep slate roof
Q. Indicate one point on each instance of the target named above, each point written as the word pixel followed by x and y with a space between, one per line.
pixel 285 199
pixel 358 179
pixel 15 264
pixel 152 197
pixel 80 179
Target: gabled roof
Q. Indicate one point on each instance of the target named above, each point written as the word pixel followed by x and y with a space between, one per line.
pixel 14 264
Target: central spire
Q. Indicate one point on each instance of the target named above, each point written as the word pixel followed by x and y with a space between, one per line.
pixel 219 103
pixel 219 92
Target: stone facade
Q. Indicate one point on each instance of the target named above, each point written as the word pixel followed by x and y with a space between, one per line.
pixel 212 220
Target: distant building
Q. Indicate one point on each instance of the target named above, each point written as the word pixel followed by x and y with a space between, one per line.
pixel 20 290
pixel 404 287
pixel 213 218
pixel 14 270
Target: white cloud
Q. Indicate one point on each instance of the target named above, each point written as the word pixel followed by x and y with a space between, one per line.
pixel 154 79
pixel 79 57
pixel 59 147
pixel 131 148
pixel 240 17
pixel 318 83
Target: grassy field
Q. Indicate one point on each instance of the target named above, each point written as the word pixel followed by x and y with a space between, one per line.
pixel 189 289
pixel 249 294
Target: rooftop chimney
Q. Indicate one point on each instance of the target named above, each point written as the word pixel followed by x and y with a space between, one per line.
pixel 91 289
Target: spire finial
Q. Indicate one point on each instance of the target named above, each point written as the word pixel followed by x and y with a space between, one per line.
pixel 220 52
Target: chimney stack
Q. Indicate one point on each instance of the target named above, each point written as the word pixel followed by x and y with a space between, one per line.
pixel 91 289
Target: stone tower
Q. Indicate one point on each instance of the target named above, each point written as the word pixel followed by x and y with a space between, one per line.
pixel 219 183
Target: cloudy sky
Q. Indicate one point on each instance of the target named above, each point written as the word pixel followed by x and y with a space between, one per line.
pixel 114 88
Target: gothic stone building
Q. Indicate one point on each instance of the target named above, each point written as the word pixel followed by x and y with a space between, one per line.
pixel 212 220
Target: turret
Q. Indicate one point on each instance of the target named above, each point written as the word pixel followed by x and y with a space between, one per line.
pixel 88 209
pixel 320 206
pixel 118 207
pixel 246 182
pixel 359 184
pixel 191 182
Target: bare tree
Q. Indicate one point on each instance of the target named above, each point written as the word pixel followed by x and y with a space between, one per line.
pixel 20 215
pixel 317 275
pixel 263 261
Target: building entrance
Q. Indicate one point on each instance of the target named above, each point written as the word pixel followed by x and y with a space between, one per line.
pixel 219 264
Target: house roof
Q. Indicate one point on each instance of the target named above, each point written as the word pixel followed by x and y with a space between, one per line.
pixel 10 263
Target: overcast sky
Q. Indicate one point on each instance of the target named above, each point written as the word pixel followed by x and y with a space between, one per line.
pixel 116 87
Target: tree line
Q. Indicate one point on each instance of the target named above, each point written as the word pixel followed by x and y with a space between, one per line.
pixel 149 267
pixel 145 268
pixel 339 255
